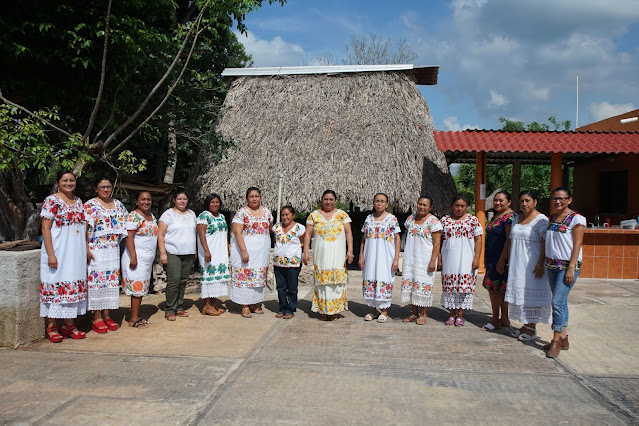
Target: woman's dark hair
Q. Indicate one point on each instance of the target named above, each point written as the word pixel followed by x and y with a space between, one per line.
pixel 458 197
pixel 506 194
pixel 380 193
pixel 289 208
pixel 178 192
pixel 253 188
pixel 137 195
pixel 97 181
pixel 207 202
pixel 560 189
pixel 428 197
pixel 329 191
pixel 61 173
pixel 528 192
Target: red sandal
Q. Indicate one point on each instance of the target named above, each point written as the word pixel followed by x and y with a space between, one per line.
pixel 53 335
pixel 72 332
pixel 100 327
pixel 111 325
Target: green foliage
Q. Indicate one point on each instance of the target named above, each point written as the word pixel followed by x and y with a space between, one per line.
pixel 533 126
pixel 25 145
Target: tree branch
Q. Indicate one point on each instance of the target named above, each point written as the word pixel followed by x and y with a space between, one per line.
pixel 45 121
pixel 102 76
pixel 158 85
pixel 168 94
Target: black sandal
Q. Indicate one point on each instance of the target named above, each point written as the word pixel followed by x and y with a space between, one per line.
pixel 140 323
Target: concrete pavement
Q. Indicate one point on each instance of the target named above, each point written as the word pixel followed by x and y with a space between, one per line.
pixel 231 370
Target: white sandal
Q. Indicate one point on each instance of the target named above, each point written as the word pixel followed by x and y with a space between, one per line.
pixel 525 337
pixel 382 318
pixel 368 317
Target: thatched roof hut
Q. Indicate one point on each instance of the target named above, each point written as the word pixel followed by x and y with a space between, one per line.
pixel 356 130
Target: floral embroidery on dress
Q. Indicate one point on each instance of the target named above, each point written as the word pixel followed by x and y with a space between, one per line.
pixel 61 213
pixel 217 272
pixel 328 229
pixel 330 276
pixel 140 287
pixel 424 230
pixel 254 225
pixel 143 228
pixel 63 292
pixel 213 224
pixel 378 290
pixel 416 286
pixel 506 219
pixel 384 229
pixel 459 283
pixel 329 307
pixel 101 278
pixel 459 228
pixel 248 277
pixel 560 226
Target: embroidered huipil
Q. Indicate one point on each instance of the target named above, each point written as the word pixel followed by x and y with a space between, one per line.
pixel 215 274
pixel 559 241
pixel 458 250
pixel 106 230
pixel 288 247
pixel 137 281
pixel 379 252
pixel 329 247
pixel 417 282
pixel 256 234
pixel 68 282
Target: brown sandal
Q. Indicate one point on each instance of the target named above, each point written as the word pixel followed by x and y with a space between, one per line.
pixel 410 318
pixel 182 313
pixel 170 316
pixel 421 320
pixel 211 310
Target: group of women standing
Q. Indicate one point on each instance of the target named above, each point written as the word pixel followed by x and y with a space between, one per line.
pixel 519 250
pixel 533 245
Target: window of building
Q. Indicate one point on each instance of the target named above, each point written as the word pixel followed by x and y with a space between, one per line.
pixel 613 192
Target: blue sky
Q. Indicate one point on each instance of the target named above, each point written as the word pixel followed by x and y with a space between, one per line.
pixel 513 58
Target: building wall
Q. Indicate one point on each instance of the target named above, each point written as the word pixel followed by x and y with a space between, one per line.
pixel 586 186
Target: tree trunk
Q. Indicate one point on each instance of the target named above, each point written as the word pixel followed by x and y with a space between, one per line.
pixel 15 207
pixel 169 173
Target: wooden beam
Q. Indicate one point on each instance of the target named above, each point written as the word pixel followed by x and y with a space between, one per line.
pixel 480 202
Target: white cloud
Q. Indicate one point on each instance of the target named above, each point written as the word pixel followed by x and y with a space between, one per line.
pixel 272 53
pixel 497 99
pixel 603 110
pixel 452 123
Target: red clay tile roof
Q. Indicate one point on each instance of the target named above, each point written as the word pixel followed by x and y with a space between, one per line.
pixel 540 142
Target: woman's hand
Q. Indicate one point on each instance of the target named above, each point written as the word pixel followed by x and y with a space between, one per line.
pixel 569 278
pixel 245 256
pixel 164 259
pixel 207 256
pixel 432 265
pixel 349 256
pixel 395 266
pixel 361 262
pixel 133 262
pixel 539 271
pixel 52 261
pixel 90 256
pixel 501 266
pixel 305 258
pixel 475 265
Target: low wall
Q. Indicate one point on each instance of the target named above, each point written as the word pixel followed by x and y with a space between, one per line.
pixel 20 321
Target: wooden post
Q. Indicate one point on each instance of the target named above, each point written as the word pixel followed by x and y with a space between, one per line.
pixel 555 173
pixel 516 184
pixel 480 199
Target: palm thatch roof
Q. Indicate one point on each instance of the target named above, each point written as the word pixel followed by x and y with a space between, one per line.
pixel 356 133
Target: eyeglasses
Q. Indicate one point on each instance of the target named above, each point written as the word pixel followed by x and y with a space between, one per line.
pixel 105 187
pixel 559 198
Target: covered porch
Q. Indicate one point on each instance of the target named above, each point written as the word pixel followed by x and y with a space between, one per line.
pixel 608 253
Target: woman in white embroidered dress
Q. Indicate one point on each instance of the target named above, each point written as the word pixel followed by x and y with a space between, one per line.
pixel 138 257
pixel 287 261
pixel 330 229
pixel 213 255
pixel 564 238
pixel 461 249
pixel 379 258
pixel 423 240
pixel 176 242
pixel 106 228
pixel 250 252
pixel 63 260
pixel 527 293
